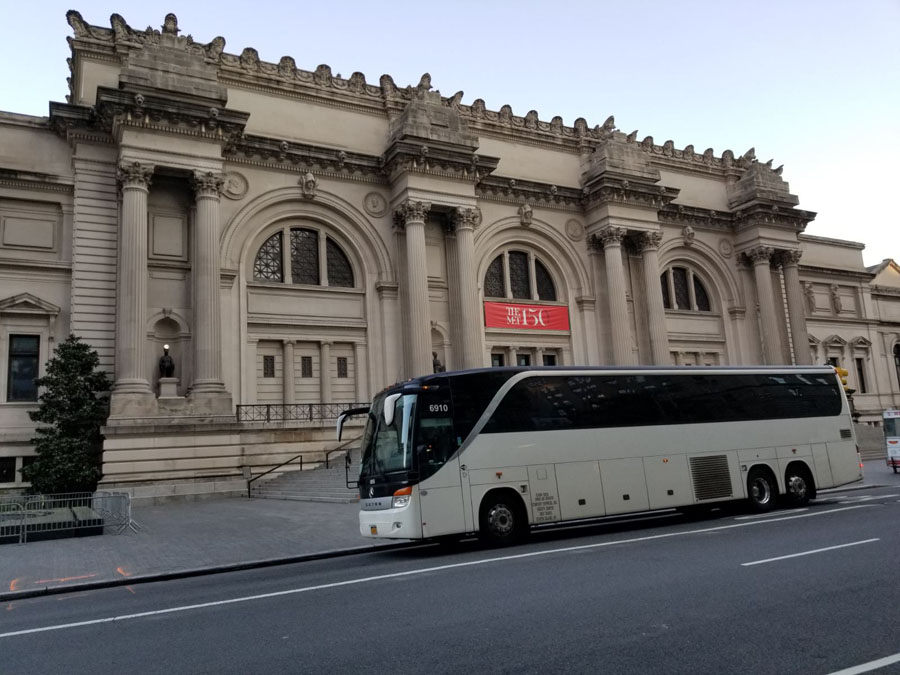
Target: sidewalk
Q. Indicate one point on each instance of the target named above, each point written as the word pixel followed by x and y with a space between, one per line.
pixel 203 537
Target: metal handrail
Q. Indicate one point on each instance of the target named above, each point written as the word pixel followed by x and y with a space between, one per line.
pixel 338 449
pixel 250 480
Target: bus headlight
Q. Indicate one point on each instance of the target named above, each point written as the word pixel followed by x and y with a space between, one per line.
pixel 401 498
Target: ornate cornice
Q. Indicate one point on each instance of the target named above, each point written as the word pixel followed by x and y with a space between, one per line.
pixel 545 195
pixel 303 157
pixel 26 180
pixel 608 189
pixel 772 215
pixel 409 156
pixel 708 219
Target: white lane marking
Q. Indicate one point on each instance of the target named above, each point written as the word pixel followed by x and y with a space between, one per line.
pixel 868 667
pixel 818 550
pixel 864 498
pixel 766 515
pixel 425 570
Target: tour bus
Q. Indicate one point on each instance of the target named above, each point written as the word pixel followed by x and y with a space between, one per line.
pixel 892 438
pixel 495 451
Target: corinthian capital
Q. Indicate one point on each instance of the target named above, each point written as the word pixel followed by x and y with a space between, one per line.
pixel 135 174
pixel 463 218
pixel 208 183
pixel 791 257
pixel 612 236
pixel 649 241
pixel 411 211
pixel 760 254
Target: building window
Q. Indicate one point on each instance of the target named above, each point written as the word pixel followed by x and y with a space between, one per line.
pixel 306 366
pixel 897 362
pixel 268 366
pixel 342 366
pixel 861 375
pixel 267 266
pixel 549 359
pixel 307 248
pixel 7 469
pixel 523 359
pixel 24 352
pixel 497 361
pixel 529 278
pixel 682 289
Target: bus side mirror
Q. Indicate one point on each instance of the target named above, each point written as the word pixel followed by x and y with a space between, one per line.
pixel 389 402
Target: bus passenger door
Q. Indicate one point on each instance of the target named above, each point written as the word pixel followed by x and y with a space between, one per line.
pixel 442 503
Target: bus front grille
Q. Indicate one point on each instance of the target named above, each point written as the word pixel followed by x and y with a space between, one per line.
pixel 711 477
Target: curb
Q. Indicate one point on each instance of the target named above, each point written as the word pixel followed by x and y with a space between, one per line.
pixel 201 571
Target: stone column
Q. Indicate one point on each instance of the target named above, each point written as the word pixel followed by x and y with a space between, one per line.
pixel 411 216
pixel 131 386
pixel 659 336
pixel 790 261
pixel 611 238
pixel 465 221
pixel 325 372
pixel 761 257
pixel 288 371
pixel 206 338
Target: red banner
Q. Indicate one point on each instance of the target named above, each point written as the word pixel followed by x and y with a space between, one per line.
pixel 528 317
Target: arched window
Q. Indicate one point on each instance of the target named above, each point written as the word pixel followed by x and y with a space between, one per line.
pixel 528 278
pixel 682 289
pixel 308 248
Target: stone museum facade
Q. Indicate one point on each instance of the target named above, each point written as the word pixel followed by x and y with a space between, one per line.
pixel 298 238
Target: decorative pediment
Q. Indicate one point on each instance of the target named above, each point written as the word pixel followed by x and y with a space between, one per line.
pixel 813 340
pixel 861 342
pixel 26 303
pixel 835 340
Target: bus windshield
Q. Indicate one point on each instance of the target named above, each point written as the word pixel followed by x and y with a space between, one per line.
pixel 891 427
pixel 387 448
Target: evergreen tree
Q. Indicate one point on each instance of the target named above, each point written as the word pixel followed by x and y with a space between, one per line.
pixel 69 443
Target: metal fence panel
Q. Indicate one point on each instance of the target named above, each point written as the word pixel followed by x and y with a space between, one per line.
pixel 293 412
pixel 25 518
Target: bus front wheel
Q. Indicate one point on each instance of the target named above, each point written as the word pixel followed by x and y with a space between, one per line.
pixel 502 519
pixel 761 490
pixel 798 486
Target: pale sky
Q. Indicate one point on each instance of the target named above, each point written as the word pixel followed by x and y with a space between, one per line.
pixel 813 85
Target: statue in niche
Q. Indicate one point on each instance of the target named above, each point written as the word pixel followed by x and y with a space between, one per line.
pixel 436 363
pixel 810 296
pixel 166 363
pixel 836 299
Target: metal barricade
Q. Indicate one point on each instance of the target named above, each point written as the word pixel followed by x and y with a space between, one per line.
pixel 25 518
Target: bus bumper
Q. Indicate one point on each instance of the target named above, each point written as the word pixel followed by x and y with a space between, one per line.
pixel 399 523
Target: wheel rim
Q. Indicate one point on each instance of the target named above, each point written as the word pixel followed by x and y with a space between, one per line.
pixel 797 486
pixel 501 520
pixel 761 491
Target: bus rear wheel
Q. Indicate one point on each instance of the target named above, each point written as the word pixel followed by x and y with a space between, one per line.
pixel 761 490
pixel 502 520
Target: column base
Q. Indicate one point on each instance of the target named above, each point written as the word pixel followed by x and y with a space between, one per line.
pixel 168 387
pixel 128 404
pixel 211 402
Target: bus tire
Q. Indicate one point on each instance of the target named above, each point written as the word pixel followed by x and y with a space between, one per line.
pixel 502 519
pixel 762 490
pixel 798 485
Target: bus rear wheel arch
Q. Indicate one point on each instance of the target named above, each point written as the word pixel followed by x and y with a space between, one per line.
pixel 502 518
pixel 799 486
pixel 762 489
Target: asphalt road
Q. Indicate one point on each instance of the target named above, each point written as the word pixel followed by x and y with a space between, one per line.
pixel 803 591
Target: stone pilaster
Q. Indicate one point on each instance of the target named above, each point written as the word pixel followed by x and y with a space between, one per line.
pixel 411 216
pixel 659 336
pixel 131 394
pixel 288 371
pixel 325 371
pixel 790 261
pixel 206 338
pixel 466 292
pixel 362 380
pixel 611 239
pixel 761 257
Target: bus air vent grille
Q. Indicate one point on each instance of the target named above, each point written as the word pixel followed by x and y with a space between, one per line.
pixel 845 433
pixel 711 477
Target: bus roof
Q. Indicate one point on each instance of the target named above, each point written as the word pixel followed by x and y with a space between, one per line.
pixel 509 371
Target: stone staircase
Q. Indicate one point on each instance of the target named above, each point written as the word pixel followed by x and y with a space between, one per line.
pixel 320 484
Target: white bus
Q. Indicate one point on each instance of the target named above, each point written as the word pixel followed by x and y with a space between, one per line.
pixel 892 438
pixel 494 451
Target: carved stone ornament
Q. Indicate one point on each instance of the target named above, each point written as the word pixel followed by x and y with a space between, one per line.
pixel 760 254
pixel 574 230
pixel 375 205
pixel 648 241
pixel 309 184
pixel 235 185
pixel 208 183
pixel 688 235
pixel 810 295
pixel 411 211
pixel 725 248
pixel 612 236
pixel 791 257
pixel 463 218
pixel 525 215
pixel 135 174
pixel 836 303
